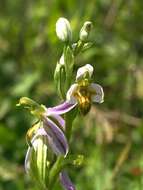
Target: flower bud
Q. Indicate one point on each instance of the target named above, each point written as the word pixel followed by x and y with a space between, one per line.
pixel 85 30
pixel 63 30
pixel 78 161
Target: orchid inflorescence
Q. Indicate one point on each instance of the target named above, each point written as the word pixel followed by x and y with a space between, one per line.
pixel 48 156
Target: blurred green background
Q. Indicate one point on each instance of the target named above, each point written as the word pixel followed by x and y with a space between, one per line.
pixel 111 135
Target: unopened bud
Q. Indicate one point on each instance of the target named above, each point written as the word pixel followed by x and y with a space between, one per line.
pixel 79 160
pixel 85 30
pixel 63 30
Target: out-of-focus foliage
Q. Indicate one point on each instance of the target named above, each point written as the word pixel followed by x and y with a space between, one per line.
pixel 111 135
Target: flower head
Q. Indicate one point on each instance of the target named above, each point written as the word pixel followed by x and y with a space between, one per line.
pixel 47 135
pixel 50 126
pixel 84 92
pixel 45 139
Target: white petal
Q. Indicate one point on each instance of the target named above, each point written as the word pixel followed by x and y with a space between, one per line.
pixel 99 94
pixel 70 93
pixel 82 70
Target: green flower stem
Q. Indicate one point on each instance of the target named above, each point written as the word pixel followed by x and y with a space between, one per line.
pixel 79 47
pixel 68 126
pixel 69 118
pixel 62 72
pixel 69 63
pixel 74 160
pixel 68 81
pixel 55 170
pixel 38 184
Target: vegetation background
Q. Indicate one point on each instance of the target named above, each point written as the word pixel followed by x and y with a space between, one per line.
pixel 111 135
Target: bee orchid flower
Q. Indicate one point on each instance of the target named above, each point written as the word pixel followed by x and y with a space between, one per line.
pixel 82 93
pixel 46 135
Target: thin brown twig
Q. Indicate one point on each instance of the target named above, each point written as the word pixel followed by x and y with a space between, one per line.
pixel 122 158
pixel 111 15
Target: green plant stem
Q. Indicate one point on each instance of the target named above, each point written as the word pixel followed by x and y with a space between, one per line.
pixel 79 47
pixel 62 72
pixel 55 170
pixel 69 118
pixel 68 127
pixel 57 167
pixel 69 63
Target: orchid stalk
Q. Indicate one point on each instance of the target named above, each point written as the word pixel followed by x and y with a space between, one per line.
pixel 47 158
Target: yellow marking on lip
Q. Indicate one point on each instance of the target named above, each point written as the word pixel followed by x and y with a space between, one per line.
pixel 31 132
pixel 84 100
